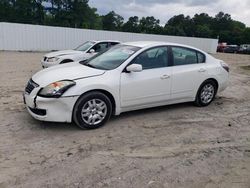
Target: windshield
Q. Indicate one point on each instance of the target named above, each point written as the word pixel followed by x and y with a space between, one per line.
pixel 112 58
pixel 85 46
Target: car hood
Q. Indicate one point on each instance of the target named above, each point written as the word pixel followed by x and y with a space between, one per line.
pixel 69 71
pixel 62 53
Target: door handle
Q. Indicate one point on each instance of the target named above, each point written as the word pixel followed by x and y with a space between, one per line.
pixel 165 76
pixel 202 70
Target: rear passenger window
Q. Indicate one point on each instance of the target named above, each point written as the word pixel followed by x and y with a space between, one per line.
pixel 184 56
pixel 201 57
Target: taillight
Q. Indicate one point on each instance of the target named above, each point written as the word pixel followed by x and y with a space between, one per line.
pixel 224 66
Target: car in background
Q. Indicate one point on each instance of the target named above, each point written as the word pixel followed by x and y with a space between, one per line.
pixel 221 46
pixel 129 76
pixel 244 49
pixel 82 52
pixel 231 49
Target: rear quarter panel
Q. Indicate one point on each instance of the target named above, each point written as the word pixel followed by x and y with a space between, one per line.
pixel 216 71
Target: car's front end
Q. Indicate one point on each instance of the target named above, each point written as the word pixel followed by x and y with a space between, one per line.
pixel 59 57
pixel 47 103
pixel 48 95
pixel 50 61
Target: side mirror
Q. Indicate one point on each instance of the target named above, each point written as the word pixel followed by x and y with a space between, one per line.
pixel 91 51
pixel 134 68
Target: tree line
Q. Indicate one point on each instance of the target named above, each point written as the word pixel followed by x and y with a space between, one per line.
pixel 78 14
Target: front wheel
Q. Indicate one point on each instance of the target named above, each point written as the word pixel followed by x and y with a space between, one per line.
pixel 92 110
pixel 206 93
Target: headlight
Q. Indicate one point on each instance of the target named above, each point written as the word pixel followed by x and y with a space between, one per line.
pixel 52 59
pixel 56 89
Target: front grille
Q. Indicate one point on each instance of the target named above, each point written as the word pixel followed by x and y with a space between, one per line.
pixel 30 86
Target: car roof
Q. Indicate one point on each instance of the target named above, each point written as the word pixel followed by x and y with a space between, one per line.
pixel 97 41
pixel 146 44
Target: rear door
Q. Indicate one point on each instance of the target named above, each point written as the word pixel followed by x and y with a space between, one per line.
pixel 189 71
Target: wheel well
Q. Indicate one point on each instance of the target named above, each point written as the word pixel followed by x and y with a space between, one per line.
pixel 215 81
pixel 209 79
pixel 108 94
pixel 212 79
pixel 66 61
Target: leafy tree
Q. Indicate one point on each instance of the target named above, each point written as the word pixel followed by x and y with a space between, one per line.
pixel 184 26
pixel 202 24
pixel 39 13
pixel 76 13
pixel 222 22
pixel 112 21
pixel 132 25
pixel 26 11
pixel 174 30
pixel 203 31
pixel 149 24
pixel 246 36
pixel 203 18
pixel 6 11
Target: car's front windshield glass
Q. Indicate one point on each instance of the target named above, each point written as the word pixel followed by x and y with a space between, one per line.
pixel 112 58
pixel 85 46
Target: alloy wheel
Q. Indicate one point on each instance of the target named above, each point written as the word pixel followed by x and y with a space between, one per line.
pixel 94 111
pixel 207 93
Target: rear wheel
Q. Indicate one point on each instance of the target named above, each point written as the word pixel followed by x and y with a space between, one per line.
pixel 92 110
pixel 206 93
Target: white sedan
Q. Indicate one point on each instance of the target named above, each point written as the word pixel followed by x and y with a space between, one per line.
pixel 82 52
pixel 127 77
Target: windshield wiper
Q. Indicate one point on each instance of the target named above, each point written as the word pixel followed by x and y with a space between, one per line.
pixel 89 65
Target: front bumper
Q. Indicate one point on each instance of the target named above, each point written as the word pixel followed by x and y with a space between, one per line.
pixel 50 109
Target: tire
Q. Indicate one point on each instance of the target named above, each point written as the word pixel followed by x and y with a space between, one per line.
pixel 206 93
pixel 92 110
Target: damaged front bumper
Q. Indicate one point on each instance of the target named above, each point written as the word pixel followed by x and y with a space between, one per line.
pixel 49 109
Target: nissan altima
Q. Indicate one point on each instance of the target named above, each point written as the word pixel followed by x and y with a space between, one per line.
pixel 82 52
pixel 129 76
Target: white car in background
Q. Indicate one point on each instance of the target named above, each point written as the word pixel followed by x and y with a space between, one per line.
pixel 127 77
pixel 82 52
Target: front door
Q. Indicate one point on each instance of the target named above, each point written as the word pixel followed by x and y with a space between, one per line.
pixel 152 84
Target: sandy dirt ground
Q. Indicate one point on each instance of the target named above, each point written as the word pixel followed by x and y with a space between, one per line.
pixel 173 146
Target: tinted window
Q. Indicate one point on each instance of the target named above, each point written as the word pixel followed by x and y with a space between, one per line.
pixel 183 56
pixel 201 57
pixel 100 47
pixel 153 58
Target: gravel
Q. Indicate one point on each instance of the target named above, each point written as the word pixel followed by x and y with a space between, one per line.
pixel 173 146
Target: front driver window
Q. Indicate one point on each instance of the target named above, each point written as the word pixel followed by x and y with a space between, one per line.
pixel 153 58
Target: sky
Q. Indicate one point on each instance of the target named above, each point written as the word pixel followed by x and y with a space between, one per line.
pixel 165 9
